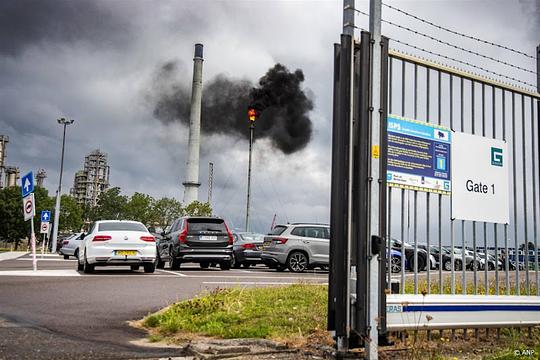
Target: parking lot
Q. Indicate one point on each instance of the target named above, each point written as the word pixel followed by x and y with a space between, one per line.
pixel 69 314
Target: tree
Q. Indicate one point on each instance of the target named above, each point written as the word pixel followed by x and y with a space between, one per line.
pixel 197 208
pixel 110 206
pixel 166 210
pixel 139 208
pixel 13 228
pixel 71 214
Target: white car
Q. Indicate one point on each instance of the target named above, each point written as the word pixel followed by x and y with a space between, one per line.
pixel 117 243
pixel 70 246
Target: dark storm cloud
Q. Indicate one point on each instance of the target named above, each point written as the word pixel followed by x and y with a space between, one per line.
pixel 278 96
pixel 27 22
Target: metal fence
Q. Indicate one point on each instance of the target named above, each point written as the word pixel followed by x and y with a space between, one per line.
pixel 465 257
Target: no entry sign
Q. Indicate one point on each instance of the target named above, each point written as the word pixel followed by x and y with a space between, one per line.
pixel 44 228
pixel 29 207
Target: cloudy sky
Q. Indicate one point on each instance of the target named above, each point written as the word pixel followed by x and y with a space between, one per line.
pixel 96 62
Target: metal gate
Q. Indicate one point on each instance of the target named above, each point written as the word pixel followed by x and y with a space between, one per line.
pixel 460 257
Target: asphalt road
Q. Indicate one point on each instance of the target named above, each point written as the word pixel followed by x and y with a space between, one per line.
pixel 59 313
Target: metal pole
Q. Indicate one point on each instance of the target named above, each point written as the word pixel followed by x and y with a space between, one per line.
pixel 59 191
pixel 33 244
pixel 534 164
pixel 251 128
pixel 375 9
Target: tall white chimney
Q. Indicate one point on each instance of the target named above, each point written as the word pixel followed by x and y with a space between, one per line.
pixel 191 184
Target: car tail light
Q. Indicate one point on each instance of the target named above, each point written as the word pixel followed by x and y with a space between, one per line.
pixel 229 234
pixel 182 237
pixel 280 240
pixel 248 246
pixel 148 238
pixel 102 238
pixel 65 242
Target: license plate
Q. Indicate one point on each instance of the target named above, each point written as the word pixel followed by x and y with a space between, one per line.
pixel 126 252
pixel 209 238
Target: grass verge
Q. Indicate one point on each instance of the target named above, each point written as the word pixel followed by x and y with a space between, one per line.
pixel 277 313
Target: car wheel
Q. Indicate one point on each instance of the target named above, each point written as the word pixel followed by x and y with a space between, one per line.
pixel 225 265
pixel 66 257
pixel 491 266
pixel 160 264
pixel 204 265
pixel 297 262
pixel 395 264
pixel 475 265
pixel 88 268
pixel 76 254
pixel 149 267
pixel 421 262
pixel 134 267
pixel 246 265
pixel 174 263
pixel 80 266
pixel 235 263
pixel 448 265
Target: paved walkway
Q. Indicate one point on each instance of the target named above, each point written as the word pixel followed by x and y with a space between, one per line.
pixel 11 255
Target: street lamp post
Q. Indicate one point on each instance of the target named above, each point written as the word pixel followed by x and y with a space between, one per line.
pixel 252 115
pixel 65 122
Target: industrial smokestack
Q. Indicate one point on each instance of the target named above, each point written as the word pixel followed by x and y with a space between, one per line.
pixel 12 175
pixel 191 184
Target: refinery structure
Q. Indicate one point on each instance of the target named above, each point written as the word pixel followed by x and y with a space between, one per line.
pixel 90 182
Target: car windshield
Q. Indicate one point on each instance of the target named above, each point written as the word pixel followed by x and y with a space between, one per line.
pixel 121 226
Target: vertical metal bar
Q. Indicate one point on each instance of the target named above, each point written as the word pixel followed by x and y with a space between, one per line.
pixel 463 263
pixel 474 262
pixel 525 212
pixel 516 251
pixel 486 262
pixel 534 175
pixel 439 197
pixel 359 195
pixel 427 194
pixel 495 226
pixel 377 134
pixel 402 241
pixel 389 239
pixel 403 88
pixel 415 232
pixel 506 254
pixel 383 197
pixel 538 148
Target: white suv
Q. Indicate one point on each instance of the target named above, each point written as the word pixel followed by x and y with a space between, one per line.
pixel 117 243
pixel 297 246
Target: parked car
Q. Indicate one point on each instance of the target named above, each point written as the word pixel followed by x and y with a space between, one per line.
pixel 409 255
pixel 298 247
pixel 470 262
pixel 247 249
pixel 70 246
pixel 202 240
pixel 395 261
pixel 117 242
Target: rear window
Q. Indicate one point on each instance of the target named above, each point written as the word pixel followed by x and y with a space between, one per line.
pixel 278 230
pixel 199 225
pixel 252 237
pixel 121 226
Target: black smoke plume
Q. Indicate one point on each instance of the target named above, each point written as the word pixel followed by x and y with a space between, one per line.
pixel 282 105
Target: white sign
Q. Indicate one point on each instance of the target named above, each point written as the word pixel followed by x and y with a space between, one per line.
pixel 29 207
pixel 44 228
pixel 480 190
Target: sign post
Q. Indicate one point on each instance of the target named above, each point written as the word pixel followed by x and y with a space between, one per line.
pixel 44 229
pixel 29 210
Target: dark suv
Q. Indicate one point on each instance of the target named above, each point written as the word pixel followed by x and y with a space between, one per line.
pixel 202 240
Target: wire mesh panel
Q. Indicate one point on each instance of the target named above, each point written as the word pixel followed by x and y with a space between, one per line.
pixel 428 252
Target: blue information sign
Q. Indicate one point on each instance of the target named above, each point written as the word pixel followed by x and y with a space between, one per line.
pixel 45 216
pixel 418 155
pixel 27 184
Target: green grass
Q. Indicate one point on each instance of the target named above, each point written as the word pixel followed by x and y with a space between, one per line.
pixel 447 287
pixel 270 313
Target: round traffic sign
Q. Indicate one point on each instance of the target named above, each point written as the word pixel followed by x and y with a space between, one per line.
pixel 28 206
